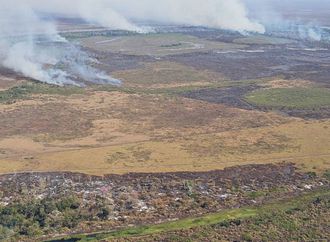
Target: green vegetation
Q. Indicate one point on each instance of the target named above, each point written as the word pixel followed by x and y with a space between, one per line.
pixel 256 194
pixel 31 218
pixel 172 226
pixel 24 91
pixel 31 88
pixel 187 223
pixel 327 174
pixel 302 219
pixel 296 98
pixel 277 214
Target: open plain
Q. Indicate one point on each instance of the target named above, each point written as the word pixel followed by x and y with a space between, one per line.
pixel 186 103
pixel 193 102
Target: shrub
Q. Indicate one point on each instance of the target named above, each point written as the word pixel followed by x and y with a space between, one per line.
pixel 247 237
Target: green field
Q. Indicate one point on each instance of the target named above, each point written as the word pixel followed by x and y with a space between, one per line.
pixel 297 98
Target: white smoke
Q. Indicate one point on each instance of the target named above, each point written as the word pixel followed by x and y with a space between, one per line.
pixel 118 14
pixel 32 46
pixel 18 29
pixel 224 14
pixel 303 19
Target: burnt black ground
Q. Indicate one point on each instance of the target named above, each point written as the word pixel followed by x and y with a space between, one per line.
pixel 233 96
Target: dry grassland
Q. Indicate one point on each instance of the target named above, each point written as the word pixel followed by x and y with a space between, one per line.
pixel 167 75
pixel 305 143
pixel 102 132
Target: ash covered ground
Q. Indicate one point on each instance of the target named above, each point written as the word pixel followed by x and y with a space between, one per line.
pixel 290 54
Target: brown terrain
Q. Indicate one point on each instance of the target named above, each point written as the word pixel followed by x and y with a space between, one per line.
pixel 203 122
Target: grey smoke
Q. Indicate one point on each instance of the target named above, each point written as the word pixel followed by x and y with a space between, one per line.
pixel 305 19
pixel 121 14
pixel 32 46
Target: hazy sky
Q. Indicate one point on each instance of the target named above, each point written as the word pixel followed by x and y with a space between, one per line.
pixel 316 12
pixel 282 6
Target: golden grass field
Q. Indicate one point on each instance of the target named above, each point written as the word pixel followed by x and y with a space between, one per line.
pixel 100 131
pixel 303 143
pixel 173 134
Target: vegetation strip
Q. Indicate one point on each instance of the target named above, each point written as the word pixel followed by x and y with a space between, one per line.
pixel 25 90
pixel 211 219
pixel 297 98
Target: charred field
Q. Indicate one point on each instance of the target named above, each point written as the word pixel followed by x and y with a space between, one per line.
pixel 113 207
pixel 210 133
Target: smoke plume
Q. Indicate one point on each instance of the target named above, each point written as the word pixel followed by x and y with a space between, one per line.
pixel 121 14
pixel 31 45
pixel 301 19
